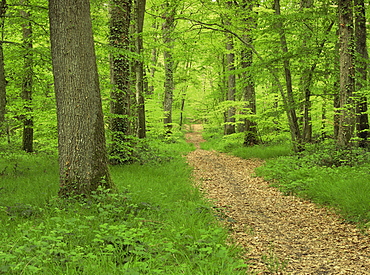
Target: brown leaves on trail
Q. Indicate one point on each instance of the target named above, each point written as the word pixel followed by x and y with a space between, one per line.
pixel 280 234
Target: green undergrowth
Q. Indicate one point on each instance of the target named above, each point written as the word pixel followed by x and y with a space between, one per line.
pixel 158 223
pixel 233 144
pixel 327 175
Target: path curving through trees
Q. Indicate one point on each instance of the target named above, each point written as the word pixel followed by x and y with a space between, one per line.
pixel 281 234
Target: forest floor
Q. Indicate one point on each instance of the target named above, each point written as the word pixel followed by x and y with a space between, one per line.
pixel 281 234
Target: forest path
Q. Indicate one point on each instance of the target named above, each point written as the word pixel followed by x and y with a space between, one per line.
pixel 281 234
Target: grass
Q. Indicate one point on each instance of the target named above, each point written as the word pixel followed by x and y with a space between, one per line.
pixel 233 144
pixel 159 223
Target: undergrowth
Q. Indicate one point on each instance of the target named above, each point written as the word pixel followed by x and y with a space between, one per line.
pixel 158 223
pixel 234 144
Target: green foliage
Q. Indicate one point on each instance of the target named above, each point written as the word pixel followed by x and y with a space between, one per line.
pixel 234 144
pixel 327 175
pixel 158 223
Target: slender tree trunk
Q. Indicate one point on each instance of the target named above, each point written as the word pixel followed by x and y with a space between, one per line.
pixel 121 95
pixel 154 60
pixel 289 98
pixel 231 86
pixel 249 93
pixel 362 123
pixel 83 160
pixel 139 67
pixel 305 85
pixel 2 69
pixel 347 118
pixel 27 118
pixel 167 29
pixel 231 78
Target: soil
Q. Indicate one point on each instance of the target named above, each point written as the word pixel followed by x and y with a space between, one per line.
pixel 280 234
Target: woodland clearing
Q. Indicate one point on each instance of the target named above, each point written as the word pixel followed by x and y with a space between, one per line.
pixel 280 234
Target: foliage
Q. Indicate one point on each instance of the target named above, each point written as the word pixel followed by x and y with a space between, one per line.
pixel 327 175
pixel 232 144
pixel 158 223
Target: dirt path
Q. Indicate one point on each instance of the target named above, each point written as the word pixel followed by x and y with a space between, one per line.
pixel 281 234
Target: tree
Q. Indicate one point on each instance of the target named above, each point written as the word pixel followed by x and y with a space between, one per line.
pixel 121 95
pixel 83 163
pixel 27 118
pixel 288 99
pixel 169 86
pixel 346 60
pixel 2 68
pixel 139 68
pixel 362 120
pixel 249 92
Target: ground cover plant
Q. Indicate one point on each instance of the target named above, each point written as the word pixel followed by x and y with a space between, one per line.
pixel 232 144
pixel 158 223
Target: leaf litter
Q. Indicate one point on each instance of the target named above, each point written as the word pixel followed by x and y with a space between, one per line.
pixel 280 234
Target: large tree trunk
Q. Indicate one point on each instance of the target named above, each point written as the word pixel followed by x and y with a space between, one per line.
pixel 167 29
pixel 27 118
pixel 121 95
pixel 139 67
pixel 82 150
pixel 347 119
pixel 362 123
pixel 2 70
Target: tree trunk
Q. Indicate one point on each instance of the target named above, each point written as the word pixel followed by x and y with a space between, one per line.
pixel 289 98
pixel 362 123
pixel 27 118
pixel 2 69
pixel 167 29
pixel 154 59
pixel 83 160
pixel 347 117
pixel 249 93
pixel 121 95
pixel 139 67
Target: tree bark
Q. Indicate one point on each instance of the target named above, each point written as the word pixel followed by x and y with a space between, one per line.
pixel 362 123
pixel 2 69
pixel 249 93
pixel 27 118
pixel 231 85
pixel 347 118
pixel 83 160
pixel 289 101
pixel 121 95
pixel 139 67
pixel 169 86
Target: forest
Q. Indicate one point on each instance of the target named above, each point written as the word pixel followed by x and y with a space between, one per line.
pixel 97 103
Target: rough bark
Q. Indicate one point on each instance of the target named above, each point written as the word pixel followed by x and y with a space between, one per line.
pixel 2 69
pixel 121 95
pixel 347 117
pixel 139 68
pixel 83 160
pixel 169 86
pixel 362 120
